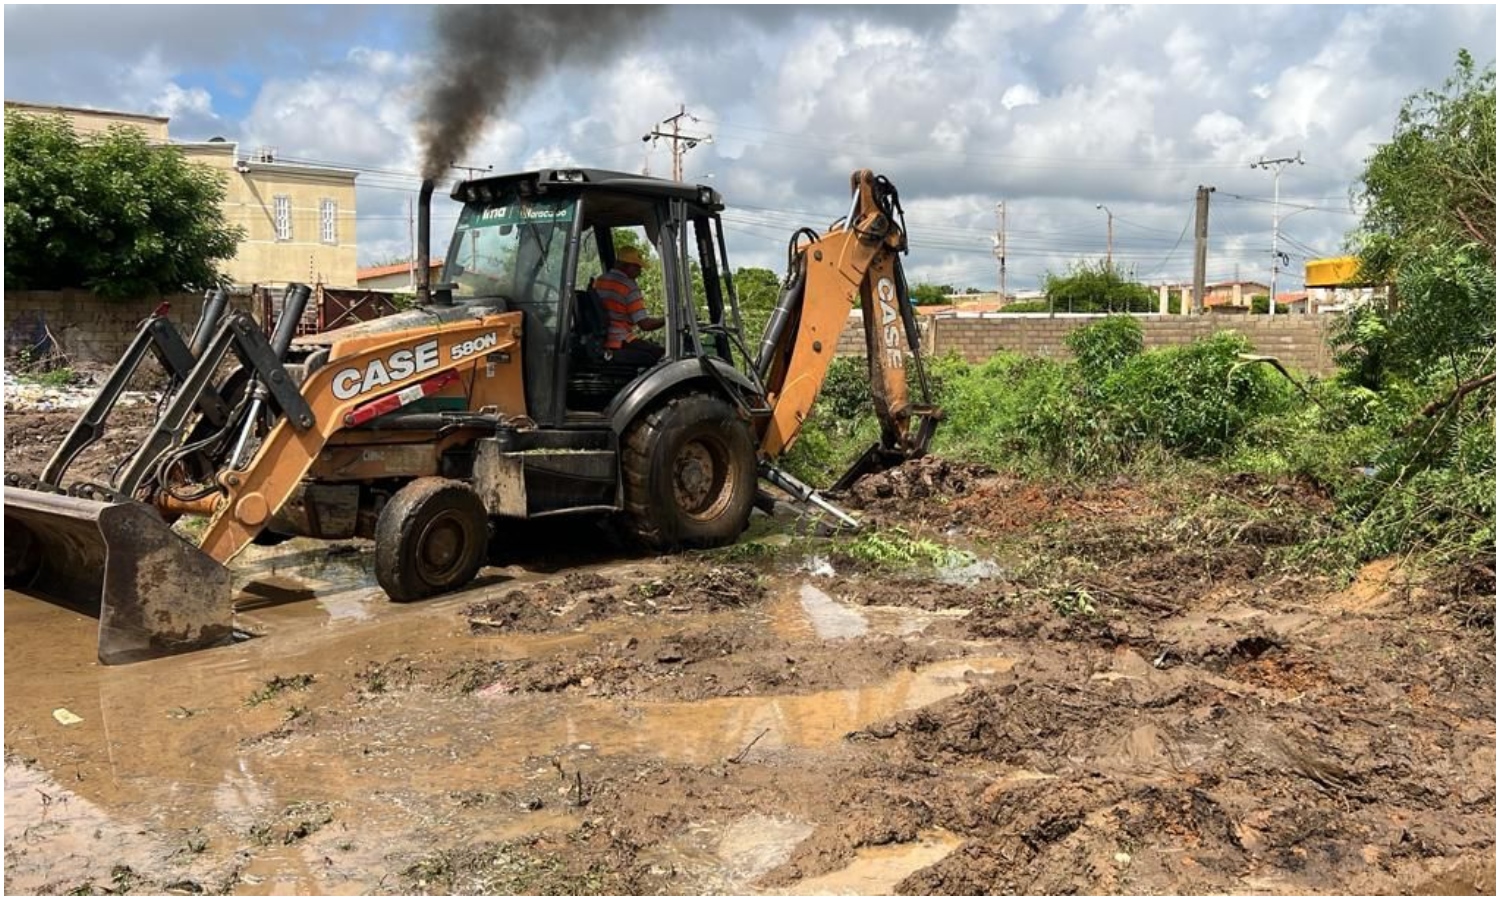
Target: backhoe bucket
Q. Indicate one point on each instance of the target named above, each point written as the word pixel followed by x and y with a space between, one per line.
pixel 155 594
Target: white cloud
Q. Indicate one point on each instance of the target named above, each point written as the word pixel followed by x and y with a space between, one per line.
pixel 1052 108
pixel 1020 95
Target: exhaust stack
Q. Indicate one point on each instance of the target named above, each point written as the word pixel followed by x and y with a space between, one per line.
pixel 424 243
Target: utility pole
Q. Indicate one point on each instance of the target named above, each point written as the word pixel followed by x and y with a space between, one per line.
pixel 681 142
pixel 1200 248
pixel 1000 245
pixel 1276 165
pixel 1109 256
pixel 411 242
pixel 471 170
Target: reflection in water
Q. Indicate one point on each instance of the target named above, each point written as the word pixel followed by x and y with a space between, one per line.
pixel 876 871
pixel 711 730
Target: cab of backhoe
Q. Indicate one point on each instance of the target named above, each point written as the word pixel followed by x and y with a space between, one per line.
pixel 534 242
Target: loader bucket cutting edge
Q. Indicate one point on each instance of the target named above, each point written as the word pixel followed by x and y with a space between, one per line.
pixel 155 594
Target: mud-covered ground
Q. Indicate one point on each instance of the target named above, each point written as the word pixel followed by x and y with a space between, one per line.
pixel 1001 687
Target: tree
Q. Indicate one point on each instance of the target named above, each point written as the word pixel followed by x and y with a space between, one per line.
pixel 1260 304
pixel 110 213
pixel 930 294
pixel 1434 183
pixel 758 290
pixel 1096 287
pixel 1429 230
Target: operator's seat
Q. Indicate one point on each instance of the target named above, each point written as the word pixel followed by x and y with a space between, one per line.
pixel 593 380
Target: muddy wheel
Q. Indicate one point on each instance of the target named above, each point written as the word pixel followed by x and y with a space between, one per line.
pixel 429 539
pixel 689 469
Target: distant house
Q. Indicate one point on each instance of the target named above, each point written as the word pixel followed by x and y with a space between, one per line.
pixel 1333 285
pixel 395 277
pixel 298 217
pixel 1293 301
pixel 1232 295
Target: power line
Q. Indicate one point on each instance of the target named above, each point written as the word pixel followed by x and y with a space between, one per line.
pixel 1186 224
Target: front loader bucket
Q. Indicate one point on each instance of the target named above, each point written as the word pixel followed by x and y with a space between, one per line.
pixel 155 594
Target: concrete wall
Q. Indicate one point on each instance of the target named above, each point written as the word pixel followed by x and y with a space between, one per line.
pixel 92 331
pixel 1300 342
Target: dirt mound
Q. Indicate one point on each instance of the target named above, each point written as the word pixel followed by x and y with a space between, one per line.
pixel 580 598
pixel 31 437
pixel 916 480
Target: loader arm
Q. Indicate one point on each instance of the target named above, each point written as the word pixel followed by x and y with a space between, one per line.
pixel 858 260
pixel 360 373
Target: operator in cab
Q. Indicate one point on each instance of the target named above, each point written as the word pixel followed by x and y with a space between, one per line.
pixel 627 311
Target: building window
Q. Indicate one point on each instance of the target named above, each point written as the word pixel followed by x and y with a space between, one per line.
pixel 283 217
pixel 328 214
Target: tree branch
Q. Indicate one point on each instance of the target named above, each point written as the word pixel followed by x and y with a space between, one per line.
pixel 1458 394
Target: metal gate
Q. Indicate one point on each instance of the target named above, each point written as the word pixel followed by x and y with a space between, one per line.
pixel 329 308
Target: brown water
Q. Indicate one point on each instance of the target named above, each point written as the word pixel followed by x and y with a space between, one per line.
pixel 168 764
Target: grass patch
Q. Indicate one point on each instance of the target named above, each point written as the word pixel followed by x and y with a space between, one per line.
pixel 896 548
pixel 279 685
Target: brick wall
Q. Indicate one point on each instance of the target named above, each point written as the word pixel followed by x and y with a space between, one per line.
pixel 90 330
pixel 1300 342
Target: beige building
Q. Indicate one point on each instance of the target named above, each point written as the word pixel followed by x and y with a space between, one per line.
pixel 298 219
pixel 96 121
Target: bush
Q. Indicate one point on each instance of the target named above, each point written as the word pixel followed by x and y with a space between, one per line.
pixel 1195 400
pixel 1104 346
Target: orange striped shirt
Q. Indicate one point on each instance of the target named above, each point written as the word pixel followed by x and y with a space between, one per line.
pixel 623 304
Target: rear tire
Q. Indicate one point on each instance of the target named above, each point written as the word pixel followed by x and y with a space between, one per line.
pixel 689 469
pixel 429 539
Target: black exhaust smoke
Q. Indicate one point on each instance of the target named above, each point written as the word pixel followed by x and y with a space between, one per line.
pixel 485 54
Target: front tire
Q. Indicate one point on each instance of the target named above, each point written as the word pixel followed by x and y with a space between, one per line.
pixel 429 539
pixel 689 469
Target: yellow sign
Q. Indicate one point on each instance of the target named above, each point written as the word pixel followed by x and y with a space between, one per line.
pixel 1339 271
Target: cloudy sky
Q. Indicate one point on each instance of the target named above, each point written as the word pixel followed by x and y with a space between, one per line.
pixel 1053 110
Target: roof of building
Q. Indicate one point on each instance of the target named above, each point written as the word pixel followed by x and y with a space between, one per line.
pixel 1230 284
pixel 55 107
pixel 392 269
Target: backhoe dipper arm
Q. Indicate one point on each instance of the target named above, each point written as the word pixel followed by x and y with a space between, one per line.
pixel 857 259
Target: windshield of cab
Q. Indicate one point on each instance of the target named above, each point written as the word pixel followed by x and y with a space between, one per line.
pixel 512 248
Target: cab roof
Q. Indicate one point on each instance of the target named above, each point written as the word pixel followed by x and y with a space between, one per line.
pixel 548 180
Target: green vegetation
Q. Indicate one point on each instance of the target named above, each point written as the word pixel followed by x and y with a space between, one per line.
pixel 1095 287
pixel 1402 438
pixel 279 685
pixel 897 549
pixel 112 213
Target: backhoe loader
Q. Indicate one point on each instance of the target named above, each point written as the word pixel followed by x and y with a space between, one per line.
pixel 493 400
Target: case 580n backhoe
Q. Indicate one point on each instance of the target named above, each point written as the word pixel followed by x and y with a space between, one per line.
pixel 493 400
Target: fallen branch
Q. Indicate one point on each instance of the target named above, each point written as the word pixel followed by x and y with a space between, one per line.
pixel 1460 392
pixel 740 757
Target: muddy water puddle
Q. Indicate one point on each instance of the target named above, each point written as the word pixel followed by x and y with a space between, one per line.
pixel 808 613
pixel 875 871
pixel 710 731
pixel 154 751
pixel 731 858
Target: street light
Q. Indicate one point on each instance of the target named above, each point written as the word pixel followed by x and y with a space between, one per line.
pixel 1276 165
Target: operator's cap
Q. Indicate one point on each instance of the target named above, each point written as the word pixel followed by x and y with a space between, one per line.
pixel 629 255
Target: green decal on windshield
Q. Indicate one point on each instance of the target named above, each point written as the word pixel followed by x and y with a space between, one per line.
pixel 503 213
